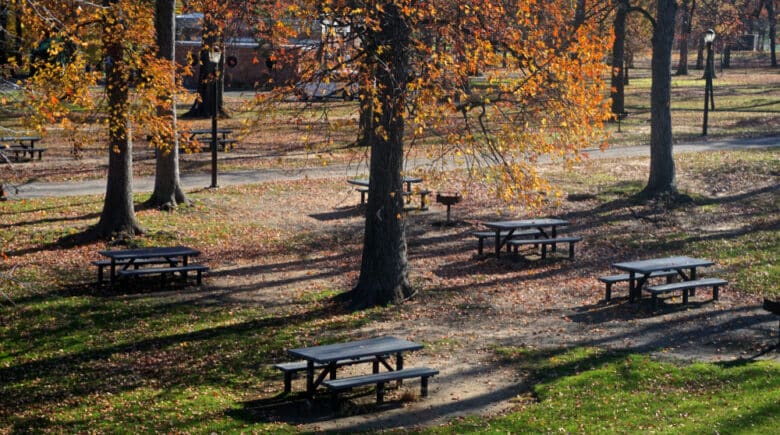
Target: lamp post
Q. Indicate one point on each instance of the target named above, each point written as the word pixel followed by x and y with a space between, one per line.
pixel 709 99
pixel 214 57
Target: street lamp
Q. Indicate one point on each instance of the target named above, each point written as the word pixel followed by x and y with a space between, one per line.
pixel 709 99
pixel 214 57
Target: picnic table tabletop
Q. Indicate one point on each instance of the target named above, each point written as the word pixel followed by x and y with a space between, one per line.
pixel 200 131
pixel 21 140
pixel 172 251
pixel 526 223
pixel 655 264
pixel 364 182
pixel 354 349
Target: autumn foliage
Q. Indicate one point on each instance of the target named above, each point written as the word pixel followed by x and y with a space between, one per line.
pixel 493 85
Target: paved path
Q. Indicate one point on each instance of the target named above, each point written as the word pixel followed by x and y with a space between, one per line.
pixel 202 180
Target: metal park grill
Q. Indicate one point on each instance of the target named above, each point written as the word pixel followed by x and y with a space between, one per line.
pixel 448 199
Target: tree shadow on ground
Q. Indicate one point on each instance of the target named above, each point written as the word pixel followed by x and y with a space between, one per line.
pixel 81 373
pixel 343 213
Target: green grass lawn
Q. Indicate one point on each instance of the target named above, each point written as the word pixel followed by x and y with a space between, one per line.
pixel 591 391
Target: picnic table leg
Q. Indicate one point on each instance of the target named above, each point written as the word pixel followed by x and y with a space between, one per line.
pixel 554 233
pixel 310 378
pixel 498 243
pixel 631 286
pixel 693 277
pixel 399 365
pixel 112 276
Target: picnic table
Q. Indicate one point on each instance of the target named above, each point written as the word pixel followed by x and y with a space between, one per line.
pixel 504 230
pixel 31 140
pixel 327 357
pixel 25 145
pixel 130 261
pixel 639 271
pixel 362 184
pixel 225 132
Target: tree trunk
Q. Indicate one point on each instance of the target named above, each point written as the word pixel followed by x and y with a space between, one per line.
pixel 118 216
pixel 770 11
pixel 618 61
pixel 384 266
pixel 202 107
pixel 5 48
pixel 686 27
pixel 700 54
pixel 19 4
pixel 167 184
pixel 662 173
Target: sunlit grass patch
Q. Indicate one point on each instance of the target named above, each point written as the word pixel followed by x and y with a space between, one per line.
pixel 586 390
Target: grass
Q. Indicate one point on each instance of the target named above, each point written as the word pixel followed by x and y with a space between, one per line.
pixel 588 390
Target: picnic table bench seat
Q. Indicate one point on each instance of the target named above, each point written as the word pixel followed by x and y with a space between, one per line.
pixel 344 384
pixel 163 271
pixel 515 243
pixel 685 286
pixel 482 235
pixel 22 150
pixel 291 368
pixel 101 264
pixel 624 277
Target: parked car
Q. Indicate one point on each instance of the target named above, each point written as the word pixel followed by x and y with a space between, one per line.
pixel 341 86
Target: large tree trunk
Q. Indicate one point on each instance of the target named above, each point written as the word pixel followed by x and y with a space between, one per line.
pixel 19 4
pixel 700 54
pixel 770 11
pixel 167 184
pixel 384 266
pixel 5 48
pixel 618 61
pixel 118 216
pixel 686 27
pixel 203 105
pixel 662 173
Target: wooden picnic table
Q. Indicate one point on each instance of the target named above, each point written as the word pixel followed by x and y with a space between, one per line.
pixel 327 356
pixel 127 258
pixel 639 271
pixel 225 132
pixel 25 145
pixel 505 229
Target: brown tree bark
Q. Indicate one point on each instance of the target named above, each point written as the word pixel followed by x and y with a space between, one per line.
pixel 662 171
pixel 203 105
pixel 618 52
pixel 168 192
pixel 384 266
pixel 118 215
pixel 770 11
pixel 686 28
pixel 700 54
